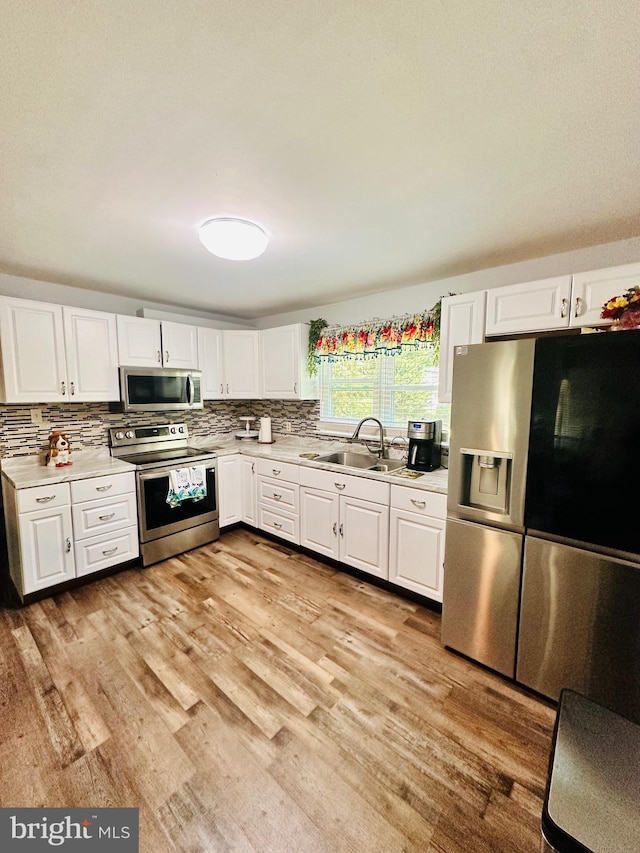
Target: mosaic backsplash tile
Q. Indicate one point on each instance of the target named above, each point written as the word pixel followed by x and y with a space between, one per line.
pixel 88 424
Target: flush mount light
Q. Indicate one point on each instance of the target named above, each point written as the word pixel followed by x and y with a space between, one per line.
pixel 233 239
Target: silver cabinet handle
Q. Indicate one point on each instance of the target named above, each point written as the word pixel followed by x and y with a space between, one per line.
pixel 72 388
pixel 335 528
pixel 63 388
pixel 339 486
pixel 419 504
pixel 563 308
pixel 104 488
pixel 277 497
pixel 159 357
pixel 253 467
pixel 106 517
pixel 275 471
pixel 45 500
pixel 227 387
pixel 277 525
pixel 295 387
pixel 576 312
pixel 68 548
pixel 166 357
pixel 341 530
pixel 110 551
pixel 221 388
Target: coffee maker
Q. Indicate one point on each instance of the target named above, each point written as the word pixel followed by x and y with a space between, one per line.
pixel 425 438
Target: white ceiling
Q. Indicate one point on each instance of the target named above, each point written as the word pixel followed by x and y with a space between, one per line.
pixel 382 143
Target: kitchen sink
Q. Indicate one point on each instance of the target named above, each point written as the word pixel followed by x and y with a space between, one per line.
pixel 359 460
pixel 349 459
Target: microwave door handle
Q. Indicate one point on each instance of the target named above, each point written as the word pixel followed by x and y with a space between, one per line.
pixel 190 394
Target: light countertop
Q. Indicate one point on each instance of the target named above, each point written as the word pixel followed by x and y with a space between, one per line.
pixel 27 471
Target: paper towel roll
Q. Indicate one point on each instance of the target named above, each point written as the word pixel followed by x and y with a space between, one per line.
pixel 265 430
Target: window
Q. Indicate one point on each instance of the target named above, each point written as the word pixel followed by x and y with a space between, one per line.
pixel 393 388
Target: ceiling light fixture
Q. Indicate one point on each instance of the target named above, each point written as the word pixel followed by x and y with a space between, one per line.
pixel 233 239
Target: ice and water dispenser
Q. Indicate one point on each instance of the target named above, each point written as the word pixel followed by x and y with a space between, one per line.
pixel 486 480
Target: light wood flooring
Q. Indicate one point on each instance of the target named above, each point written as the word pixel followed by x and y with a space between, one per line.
pixel 247 697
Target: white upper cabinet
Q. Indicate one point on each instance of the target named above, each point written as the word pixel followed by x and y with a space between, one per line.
pixel 529 307
pixel 461 322
pixel 52 353
pixel 146 342
pixel 91 345
pixel 241 365
pixel 283 364
pixel 211 361
pixel 592 289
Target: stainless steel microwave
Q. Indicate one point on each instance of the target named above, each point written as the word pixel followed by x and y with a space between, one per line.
pixel 159 389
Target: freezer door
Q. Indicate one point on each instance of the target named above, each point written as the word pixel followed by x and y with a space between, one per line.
pixel 481 593
pixel 580 625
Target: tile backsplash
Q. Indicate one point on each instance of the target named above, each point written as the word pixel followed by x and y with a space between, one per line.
pixel 88 424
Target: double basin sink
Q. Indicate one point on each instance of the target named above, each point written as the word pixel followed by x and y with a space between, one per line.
pixel 349 459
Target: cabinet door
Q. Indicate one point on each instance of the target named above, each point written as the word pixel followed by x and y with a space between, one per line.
pixel 319 521
pixel 461 322
pixel 592 289
pixel 91 345
pixel 46 544
pixel 416 552
pixel 280 363
pixel 364 535
pixel 242 378
pixel 179 346
pixel 33 357
pixel 229 490
pixel 139 343
pixel 210 359
pixel 248 490
pixel 529 307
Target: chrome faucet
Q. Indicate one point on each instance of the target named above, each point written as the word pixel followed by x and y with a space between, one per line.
pixel 381 451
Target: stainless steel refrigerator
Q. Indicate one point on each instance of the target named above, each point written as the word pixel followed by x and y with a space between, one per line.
pixel 542 553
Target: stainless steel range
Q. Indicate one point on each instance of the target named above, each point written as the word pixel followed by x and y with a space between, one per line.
pixel 170 522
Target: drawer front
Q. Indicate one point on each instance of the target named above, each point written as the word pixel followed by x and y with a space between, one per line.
pixel 109 549
pixel 283 524
pixel 279 470
pixel 94 517
pixel 343 484
pixel 417 500
pixel 279 494
pixel 102 487
pixel 41 497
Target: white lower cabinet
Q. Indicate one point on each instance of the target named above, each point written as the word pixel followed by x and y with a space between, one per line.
pixel 279 499
pixel 229 490
pixel 65 530
pixel 346 518
pixel 416 540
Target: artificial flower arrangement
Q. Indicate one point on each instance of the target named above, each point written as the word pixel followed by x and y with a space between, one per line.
pixel 624 310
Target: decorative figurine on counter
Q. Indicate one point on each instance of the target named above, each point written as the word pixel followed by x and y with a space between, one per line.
pixel 59 450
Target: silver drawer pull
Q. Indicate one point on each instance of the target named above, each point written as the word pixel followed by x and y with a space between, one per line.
pixel 106 517
pixel 103 488
pixel 339 486
pixel 110 551
pixel 275 471
pixel 419 504
pixel 45 500
pixel 335 528
pixel 277 497
pixel 277 525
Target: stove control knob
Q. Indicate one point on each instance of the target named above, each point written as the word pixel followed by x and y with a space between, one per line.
pixel 129 433
pixel 119 436
pixel 172 430
pixel 181 429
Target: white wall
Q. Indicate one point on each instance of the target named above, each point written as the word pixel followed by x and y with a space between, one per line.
pixel 77 297
pixel 424 296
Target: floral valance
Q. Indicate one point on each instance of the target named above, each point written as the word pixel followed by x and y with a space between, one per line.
pixel 377 337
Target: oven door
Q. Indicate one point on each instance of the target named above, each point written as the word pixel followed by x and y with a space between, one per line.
pixel 156 518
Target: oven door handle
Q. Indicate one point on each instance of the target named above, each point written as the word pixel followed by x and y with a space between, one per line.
pixel 164 472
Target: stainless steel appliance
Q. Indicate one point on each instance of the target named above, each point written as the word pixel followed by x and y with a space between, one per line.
pixel 164 529
pixel 542 555
pixel 425 438
pixel 160 389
